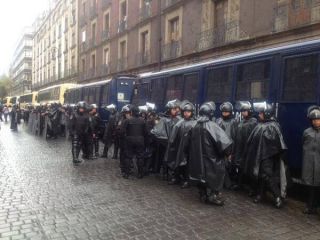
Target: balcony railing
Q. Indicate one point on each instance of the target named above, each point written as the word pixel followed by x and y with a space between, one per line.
pixel 82 21
pixel 73 44
pixel 122 26
pixel 105 35
pixel 143 58
pixel 105 4
pixel 104 69
pixel 122 64
pixel 92 43
pixel 171 50
pixel 91 73
pixel 82 76
pixel 220 36
pixel 145 12
pixel 83 47
pixel 93 13
pixel 169 3
pixel 295 15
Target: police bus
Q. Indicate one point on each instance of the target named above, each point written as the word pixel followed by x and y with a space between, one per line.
pixel 287 76
pixel 54 94
pixel 117 90
pixel 28 99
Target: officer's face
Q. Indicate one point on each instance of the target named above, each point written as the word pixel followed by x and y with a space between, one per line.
pixel 128 115
pixel 173 112
pixel 226 114
pixel 81 110
pixel 245 114
pixel 94 111
pixel 261 116
pixel 187 114
pixel 316 123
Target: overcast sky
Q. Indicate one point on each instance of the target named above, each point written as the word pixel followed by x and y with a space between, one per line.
pixel 15 15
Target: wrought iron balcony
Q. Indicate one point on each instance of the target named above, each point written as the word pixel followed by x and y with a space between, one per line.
pixel 122 64
pixel 221 35
pixel 145 12
pixel 122 26
pixel 295 15
pixel 143 58
pixel 91 73
pixel 82 76
pixel 82 21
pixel 83 47
pixel 73 44
pixel 169 3
pixel 105 4
pixel 93 12
pixel 104 69
pixel 105 35
pixel 171 50
pixel 92 43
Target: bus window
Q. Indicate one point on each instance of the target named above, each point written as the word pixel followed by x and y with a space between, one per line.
pixel 92 94
pixel 174 88
pixel 219 84
pixel 105 94
pixel 158 90
pixel 253 80
pixel 191 82
pixel 97 97
pixel 141 94
pixel 300 79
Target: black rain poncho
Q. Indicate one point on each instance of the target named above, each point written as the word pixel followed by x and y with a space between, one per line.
pixel 209 145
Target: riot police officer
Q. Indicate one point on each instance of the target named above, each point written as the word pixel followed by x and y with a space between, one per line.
pixel 95 123
pixel 111 136
pixel 80 129
pixel 264 155
pixel 135 132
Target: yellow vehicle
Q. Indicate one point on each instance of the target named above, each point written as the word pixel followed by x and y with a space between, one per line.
pixel 6 101
pixel 28 99
pixel 54 94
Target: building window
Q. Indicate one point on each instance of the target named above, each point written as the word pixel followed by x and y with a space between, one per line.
pixel 144 42
pixel 83 65
pixel 220 13
pixel 83 36
pixel 106 22
pixel 93 32
pixel 106 56
pixel 174 29
pixel 84 8
pixel 123 10
pixel 93 61
pixel 123 49
pixel 73 63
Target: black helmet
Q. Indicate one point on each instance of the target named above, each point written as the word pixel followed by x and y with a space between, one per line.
pixel 187 106
pixel 226 107
pixel 314 112
pixel 82 104
pixel 207 109
pixel 243 106
pixel 264 107
pixel 126 109
pixel 173 104
pixel 135 110
pixel 151 107
pixel 93 106
pixel 111 107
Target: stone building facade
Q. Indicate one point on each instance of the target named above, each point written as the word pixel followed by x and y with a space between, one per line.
pixel 91 40
pixel 55 46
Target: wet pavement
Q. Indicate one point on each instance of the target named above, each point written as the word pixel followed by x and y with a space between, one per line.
pixel 44 196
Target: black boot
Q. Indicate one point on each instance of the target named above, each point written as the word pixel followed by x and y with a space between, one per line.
pixel 115 155
pixel 105 152
pixel 96 148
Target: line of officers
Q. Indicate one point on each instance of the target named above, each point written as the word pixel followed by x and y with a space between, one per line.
pixel 244 151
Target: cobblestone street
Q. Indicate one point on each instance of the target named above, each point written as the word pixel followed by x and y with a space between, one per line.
pixel 44 196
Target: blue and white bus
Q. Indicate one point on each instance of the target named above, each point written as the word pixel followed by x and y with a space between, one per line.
pixel 287 76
